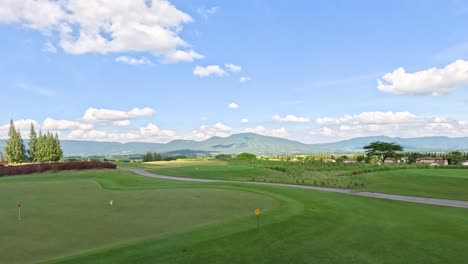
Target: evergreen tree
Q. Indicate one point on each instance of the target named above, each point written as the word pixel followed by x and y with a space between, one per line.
pixel 14 149
pixel 32 144
pixel 58 152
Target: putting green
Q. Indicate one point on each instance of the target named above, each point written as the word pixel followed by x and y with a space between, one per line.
pixel 60 218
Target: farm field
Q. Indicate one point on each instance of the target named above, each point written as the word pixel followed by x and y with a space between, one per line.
pixel 424 182
pixel 66 219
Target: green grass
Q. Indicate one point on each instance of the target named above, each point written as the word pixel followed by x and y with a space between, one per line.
pixel 437 183
pixel 63 217
pixel 224 172
pixel 307 227
pixel 432 182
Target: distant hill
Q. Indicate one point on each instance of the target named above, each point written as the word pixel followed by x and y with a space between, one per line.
pixel 249 142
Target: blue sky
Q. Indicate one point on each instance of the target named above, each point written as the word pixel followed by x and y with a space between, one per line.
pixel 160 70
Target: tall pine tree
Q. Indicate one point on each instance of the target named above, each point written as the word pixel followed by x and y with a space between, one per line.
pixel 32 144
pixel 14 148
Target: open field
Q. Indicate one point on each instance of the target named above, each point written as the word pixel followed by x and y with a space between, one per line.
pixel 437 183
pixel 158 221
pixel 424 182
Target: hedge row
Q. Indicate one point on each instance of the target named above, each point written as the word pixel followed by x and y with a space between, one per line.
pixel 56 166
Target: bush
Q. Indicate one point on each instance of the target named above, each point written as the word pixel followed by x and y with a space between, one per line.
pixel 56 166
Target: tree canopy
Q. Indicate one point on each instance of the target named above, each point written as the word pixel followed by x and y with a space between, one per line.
pixel 246 156
pixel 382 149
pixel 42 147
pixel 14 148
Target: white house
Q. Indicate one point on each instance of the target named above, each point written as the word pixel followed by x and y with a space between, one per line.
pixel 465 163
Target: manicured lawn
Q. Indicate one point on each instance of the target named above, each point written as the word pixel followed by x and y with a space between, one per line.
pixel 437 183
pixel 63 217
pixel 224 172
pixel 157 221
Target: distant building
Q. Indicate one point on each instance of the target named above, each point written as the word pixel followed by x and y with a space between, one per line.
pixel 390 161
pixel 465 163
pixel 328 160
pixel 432 161
pixel 2 164
pixel 350 161
pixel 404 160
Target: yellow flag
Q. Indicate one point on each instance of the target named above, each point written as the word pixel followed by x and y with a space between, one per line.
pixel 257 211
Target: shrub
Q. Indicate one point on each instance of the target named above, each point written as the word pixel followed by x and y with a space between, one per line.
pixel 55 166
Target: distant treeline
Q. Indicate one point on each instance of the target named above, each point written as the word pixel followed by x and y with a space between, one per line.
pixel 158 157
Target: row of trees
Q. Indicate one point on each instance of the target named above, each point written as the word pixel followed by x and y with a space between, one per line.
pixel 158 157
pixel 42 147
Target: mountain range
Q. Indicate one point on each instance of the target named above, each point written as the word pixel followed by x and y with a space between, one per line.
pixel 254 143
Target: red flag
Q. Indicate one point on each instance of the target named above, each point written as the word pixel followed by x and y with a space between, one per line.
pixel 18 205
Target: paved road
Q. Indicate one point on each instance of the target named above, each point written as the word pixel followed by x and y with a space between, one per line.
pixel 442 202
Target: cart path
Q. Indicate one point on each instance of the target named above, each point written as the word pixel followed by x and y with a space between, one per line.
pixel 413 199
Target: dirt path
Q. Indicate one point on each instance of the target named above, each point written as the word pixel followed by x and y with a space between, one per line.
pixel 434 201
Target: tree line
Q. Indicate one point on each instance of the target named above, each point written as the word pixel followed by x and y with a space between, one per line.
pixel 41 147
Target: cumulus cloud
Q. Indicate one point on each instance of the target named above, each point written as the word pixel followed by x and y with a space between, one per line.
pixel 261 130
pixel 106 26
pixel 205 132
pixel 133 61
pixel 115 117
pixel 244 79
pixel 244 120
pixel 209 70
pixel 434 81
pixel 148 133
pixel 396 124
pixel 233 106
pixel 290 119
pixel 233 68
pixel 53 124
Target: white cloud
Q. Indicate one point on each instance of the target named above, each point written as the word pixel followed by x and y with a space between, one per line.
pixel 106 26
pixel 152 130
pixel 115 117
pixel 244 79
pixel 370 118
pixel 53 124
pixel 261 130
pixel 148 133
pixel 49 47
pixel 208 70
pixel 133 61
pixel 244 120
pixel 233 106
pixel 206 12
pixel 257 130
pixel 205 132
pixel 280 132
pixel 233 68
pixel 395 124
pixel 291 119
pixel 434 81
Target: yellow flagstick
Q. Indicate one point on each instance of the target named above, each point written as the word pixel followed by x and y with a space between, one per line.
pixel 257 213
